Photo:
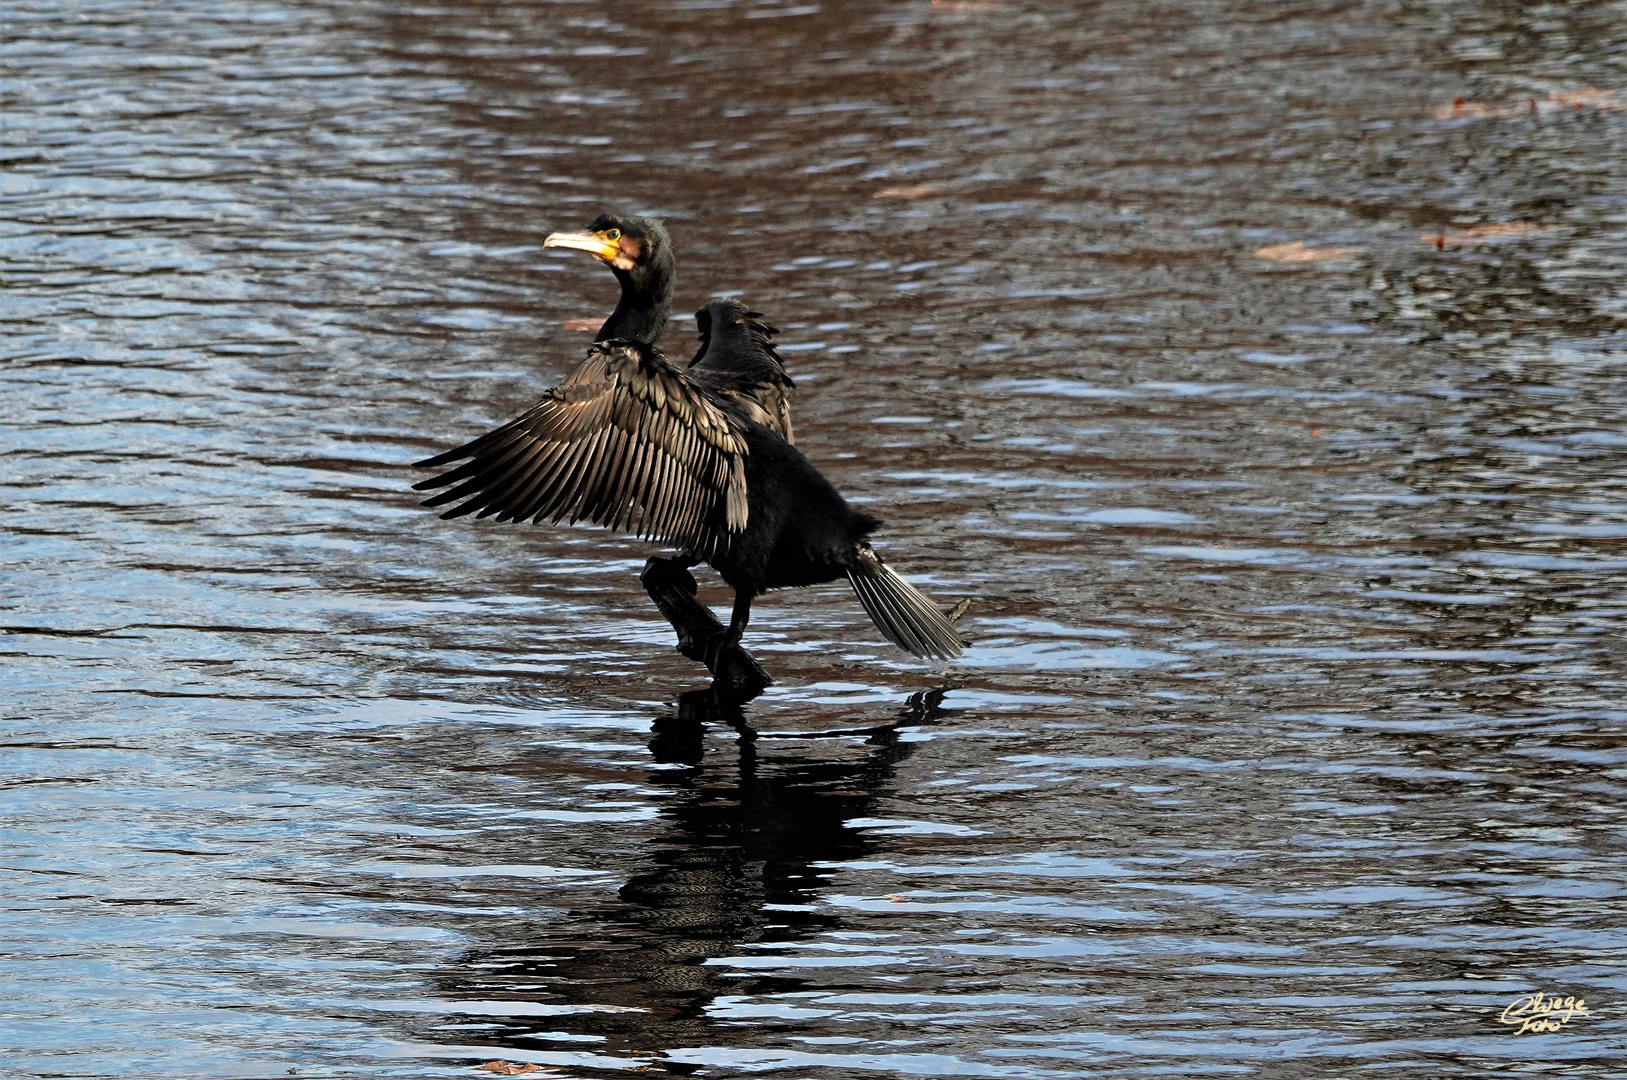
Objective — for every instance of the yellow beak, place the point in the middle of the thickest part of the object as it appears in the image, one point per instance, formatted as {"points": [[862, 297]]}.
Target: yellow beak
{"points": [[592, 243]]}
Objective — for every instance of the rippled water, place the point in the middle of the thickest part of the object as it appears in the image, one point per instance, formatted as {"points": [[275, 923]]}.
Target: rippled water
{"points": [[1256, 369]]}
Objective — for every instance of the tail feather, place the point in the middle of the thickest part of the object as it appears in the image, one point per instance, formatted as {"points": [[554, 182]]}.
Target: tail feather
{"points": [[902, 612], [889, 617]]}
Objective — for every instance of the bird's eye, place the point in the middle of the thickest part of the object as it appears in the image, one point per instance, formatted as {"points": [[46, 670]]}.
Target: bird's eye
{"points": [[612, 234]]}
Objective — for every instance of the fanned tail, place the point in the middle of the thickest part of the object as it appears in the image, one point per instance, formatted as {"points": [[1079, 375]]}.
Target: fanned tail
{"points": [[902, 612]]}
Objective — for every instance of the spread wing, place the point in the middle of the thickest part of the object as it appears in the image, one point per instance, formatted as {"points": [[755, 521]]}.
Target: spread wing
{"points": [[737, 360], [625, 441]]}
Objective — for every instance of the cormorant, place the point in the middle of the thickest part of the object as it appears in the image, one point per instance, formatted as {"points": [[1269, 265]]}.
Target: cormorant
{"points": [[629, 441], [701, 460]]}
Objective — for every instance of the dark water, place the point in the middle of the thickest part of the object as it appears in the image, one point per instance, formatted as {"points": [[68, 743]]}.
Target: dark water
{"points": [[1291, 739]]}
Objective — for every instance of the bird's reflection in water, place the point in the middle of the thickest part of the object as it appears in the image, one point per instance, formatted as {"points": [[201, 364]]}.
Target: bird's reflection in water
{"points": [[741, 863]]}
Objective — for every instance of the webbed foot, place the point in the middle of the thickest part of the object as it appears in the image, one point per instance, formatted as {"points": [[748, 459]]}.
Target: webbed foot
{"points": [[736, 674]]}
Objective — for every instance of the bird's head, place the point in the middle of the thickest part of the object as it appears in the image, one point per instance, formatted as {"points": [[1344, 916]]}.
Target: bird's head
{"points": [[631, 245], [639, 252]]}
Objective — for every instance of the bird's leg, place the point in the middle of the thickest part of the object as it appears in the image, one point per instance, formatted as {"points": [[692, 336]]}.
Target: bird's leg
{"points": [[670, 584], [672, 587], [741, 615], [730, 638], [736, 674]]}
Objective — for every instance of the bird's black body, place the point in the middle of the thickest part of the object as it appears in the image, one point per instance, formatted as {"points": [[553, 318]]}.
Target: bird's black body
{"points": [[799, 530], [699, 458]]}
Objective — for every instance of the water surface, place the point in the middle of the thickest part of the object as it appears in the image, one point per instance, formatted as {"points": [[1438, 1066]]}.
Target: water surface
{"points": [[1256, 369]]}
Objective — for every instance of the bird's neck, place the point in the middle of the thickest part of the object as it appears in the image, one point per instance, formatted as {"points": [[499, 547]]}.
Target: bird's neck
{"points": [[645, 305]]}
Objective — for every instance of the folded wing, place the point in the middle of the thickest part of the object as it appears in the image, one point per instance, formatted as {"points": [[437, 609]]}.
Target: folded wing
{"points": [[625, 441]]}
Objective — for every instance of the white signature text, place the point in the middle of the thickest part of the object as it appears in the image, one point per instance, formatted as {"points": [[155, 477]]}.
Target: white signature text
{"points": [[1538, 1012]]}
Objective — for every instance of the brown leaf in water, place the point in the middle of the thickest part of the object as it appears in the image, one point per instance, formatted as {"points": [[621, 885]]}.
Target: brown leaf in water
{"points": [[1463, 110], [1297, 252], [1574, 100], [1587, 97], [509, 1068], [582, 324], [920, 191], [1476, 235]]}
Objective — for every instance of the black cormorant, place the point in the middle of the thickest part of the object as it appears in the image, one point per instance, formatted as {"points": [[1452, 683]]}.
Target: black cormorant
{"points": [[696, 460]]}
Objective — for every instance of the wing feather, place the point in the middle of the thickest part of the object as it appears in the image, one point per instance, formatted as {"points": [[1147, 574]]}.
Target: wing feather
{"points": [[575, 496], [519, 476], [626, 440], [664, 494], [529, 501], [605, 483], [612, 459], [738, 361], [557, 501], [638, 454]]}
